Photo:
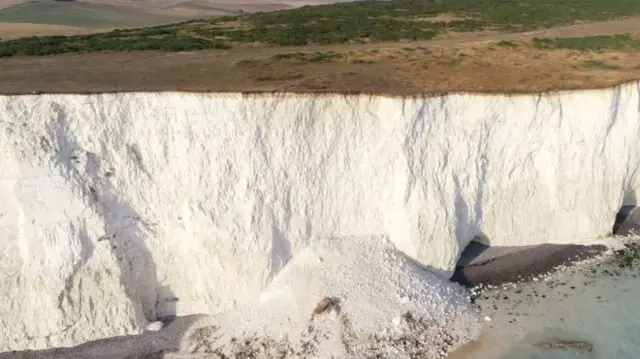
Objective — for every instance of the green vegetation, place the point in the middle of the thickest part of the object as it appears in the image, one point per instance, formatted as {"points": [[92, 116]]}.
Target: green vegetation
{"points": [[338, 23], [507, 43], [406, 19], [93, 43], [592, 43], [597, 64], [417, 19]]}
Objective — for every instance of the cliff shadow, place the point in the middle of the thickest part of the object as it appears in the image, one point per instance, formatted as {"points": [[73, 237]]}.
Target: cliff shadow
{"points": [[510, 264], [471, 252], [148, 345], [627, 220], [469, 227], [125, 231]]}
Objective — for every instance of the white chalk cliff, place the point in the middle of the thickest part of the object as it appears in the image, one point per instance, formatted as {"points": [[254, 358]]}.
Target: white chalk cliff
{"points": [[117, 209]]}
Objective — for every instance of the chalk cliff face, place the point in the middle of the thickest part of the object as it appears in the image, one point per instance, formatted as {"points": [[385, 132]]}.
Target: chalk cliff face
{"points": [[117, 209]]}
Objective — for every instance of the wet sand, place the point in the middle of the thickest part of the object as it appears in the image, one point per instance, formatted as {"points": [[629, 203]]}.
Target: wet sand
{"points": [[149, 345], [499, 265], [484, 265]]}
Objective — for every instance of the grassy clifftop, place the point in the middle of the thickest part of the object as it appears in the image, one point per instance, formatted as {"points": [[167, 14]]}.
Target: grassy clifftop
{"points": [[338, 23]]}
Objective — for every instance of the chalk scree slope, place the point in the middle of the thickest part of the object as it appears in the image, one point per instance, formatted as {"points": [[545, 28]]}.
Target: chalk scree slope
{"points": [[118, 209], [383, 306]]}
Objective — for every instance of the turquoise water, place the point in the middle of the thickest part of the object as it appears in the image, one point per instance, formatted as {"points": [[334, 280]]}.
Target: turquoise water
{"points": [[597, 303]]}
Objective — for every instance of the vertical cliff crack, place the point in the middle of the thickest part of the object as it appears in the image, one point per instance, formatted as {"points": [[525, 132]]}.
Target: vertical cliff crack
{"points": [[482, 175], [414, 132], [136, 157], [613, 116]]}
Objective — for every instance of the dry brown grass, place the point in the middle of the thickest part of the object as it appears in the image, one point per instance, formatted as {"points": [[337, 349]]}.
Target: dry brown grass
{"points": [[472, 67]]}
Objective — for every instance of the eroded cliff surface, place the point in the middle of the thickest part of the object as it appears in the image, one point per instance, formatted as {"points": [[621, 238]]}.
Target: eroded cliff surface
{"points": [[121, 208]]}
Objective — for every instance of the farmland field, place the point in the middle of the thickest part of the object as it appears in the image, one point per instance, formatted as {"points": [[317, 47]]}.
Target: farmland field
{"points": [[78, 14]]}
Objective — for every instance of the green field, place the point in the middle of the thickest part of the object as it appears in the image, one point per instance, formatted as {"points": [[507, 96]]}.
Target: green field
{"points": [[330, 24], [72, 13]]}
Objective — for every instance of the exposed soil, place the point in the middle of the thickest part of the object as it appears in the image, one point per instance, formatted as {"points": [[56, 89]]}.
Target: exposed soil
{"points": [[464, 64]]}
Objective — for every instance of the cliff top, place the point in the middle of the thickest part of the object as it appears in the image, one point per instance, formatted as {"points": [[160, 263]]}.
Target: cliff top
{"points": [[398, 47]]}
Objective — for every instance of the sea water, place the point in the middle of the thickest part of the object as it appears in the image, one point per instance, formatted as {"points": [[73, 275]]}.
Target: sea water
{"points": [[594, 304]]}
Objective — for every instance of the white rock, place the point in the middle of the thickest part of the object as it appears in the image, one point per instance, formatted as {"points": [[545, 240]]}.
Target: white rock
{"points": [[334, 313], [397, 321], [204, 196], [352, 269], [154, 326]]}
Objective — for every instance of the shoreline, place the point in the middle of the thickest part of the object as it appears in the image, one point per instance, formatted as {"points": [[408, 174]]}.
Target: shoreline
{"points": [[493, 267], [496, 266], [147, 345]]}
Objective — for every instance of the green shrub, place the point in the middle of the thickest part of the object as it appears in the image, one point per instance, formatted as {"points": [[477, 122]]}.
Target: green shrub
{"points": [[597, 64], [619, 42], [346, 22], [507, 43]]}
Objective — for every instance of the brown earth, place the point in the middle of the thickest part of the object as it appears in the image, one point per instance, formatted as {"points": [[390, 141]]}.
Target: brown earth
{"points": [[475, 63]]}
